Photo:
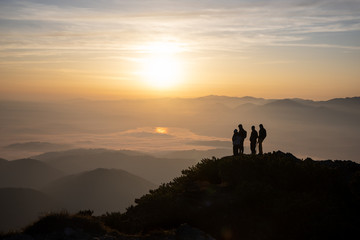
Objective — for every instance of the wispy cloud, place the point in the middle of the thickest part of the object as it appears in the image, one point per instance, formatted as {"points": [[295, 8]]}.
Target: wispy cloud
{"points": [[69, 34], [207, 26]]}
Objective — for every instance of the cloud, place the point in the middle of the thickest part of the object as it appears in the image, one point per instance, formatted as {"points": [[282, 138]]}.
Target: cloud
{"points": [[148, 135], [37, 146], [214, 143], [244, 24], [72, 33], [142, 139], [319, 46]]}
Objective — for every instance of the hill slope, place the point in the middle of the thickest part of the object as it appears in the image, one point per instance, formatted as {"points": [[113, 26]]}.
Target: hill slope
{"points": [[27, 173], [274, 196], [21, 206], [156, 170], [100, 190]]}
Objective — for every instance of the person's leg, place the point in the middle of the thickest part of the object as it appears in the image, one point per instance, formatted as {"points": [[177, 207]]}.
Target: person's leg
{"points": [[253, 147], [260, 147], [234, 150], [242, 147]]}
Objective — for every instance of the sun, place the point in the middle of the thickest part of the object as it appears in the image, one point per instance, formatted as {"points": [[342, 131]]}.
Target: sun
{"points": [[161, 130], [162, 67], [162, 72]]}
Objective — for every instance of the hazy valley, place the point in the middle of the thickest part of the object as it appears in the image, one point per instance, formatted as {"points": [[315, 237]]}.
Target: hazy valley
{"points": [[97, 179], [319, 129], [83, 154]]}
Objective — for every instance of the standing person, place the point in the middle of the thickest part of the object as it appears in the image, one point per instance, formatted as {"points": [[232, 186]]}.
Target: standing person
{"points": [[262, 136], [236, 142], [243, 135], [253, 139]]}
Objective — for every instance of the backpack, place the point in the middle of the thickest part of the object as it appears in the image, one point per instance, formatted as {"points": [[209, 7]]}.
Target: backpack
{"points": [[262, 133], [243, 134], [236, 139]]}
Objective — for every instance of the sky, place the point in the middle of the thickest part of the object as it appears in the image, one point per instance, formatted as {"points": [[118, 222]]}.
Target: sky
{"points": [[109, 49]]}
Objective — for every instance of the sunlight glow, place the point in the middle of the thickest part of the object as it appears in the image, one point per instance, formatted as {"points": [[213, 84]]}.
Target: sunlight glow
{"points": [[161, 130], [162, 66]]}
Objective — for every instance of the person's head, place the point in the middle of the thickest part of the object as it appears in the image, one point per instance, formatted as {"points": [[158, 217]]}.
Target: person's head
{"points": [[240, 126], [261, 126], [235, 131], [253, 128]]}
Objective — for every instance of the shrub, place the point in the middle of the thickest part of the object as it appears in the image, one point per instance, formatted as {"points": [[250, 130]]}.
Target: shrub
{"points": [[57, 222]]}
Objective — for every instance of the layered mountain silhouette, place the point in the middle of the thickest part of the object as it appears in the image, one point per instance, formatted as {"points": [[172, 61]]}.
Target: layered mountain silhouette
{"points": [[27, 173], [101, 190], [305, 112], [156, 170], [273, 196]]}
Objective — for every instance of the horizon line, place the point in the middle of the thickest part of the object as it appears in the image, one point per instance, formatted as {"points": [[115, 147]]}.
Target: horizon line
{"points": [[96, 99]]}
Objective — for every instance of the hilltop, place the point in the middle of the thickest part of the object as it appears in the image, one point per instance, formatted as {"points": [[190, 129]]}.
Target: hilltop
{"points": [[273, 196]]}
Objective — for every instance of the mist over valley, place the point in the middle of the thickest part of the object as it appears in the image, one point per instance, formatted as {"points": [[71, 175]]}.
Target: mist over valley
{"points": [[318, 129], [102, 155]]}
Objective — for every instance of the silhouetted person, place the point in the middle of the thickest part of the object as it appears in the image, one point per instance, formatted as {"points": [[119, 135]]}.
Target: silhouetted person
{"points": [[262, 136], [243, 135], [236, 142], [253, 139]]}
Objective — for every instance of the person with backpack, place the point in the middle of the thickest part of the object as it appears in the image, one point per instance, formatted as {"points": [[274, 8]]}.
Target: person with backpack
{"points": [[243, 135], [236, 142], [253, 138], [262, 136]]}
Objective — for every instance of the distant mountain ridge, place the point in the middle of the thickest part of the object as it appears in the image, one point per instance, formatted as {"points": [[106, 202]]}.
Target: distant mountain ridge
{"points": [[154, 169], [27, 173], [286, 103], [101, 190], [347, 100]]}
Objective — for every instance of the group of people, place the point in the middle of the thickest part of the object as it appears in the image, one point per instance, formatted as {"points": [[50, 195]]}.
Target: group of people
{"points": [[255, 138]]}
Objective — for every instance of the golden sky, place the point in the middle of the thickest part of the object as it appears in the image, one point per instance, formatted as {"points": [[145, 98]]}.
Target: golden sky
{"points": [[160, 48]]}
